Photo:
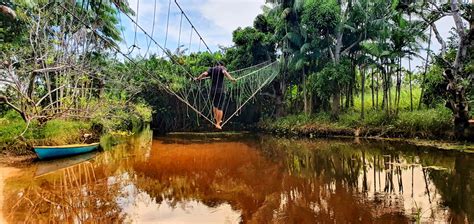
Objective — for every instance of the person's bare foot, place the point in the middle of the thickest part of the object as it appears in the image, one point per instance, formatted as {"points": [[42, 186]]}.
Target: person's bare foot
{"points": [[218, 126]]}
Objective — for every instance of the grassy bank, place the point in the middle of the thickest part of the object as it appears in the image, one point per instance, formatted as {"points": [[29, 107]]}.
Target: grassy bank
{"points": [[16, 139], [427, 124]]}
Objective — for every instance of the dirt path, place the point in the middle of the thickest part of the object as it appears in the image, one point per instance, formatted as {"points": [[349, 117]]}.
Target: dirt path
{"points": [[5, 172]]}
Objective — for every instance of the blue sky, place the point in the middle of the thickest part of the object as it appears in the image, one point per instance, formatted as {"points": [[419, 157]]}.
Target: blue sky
{"points": [[214, 19]]}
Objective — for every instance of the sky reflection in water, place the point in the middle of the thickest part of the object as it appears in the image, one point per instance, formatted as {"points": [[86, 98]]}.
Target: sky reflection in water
{"points": [[260, 179]]}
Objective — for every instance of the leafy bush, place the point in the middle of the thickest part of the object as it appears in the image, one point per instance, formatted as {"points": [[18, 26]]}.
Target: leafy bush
{"points": [[118, 116]]}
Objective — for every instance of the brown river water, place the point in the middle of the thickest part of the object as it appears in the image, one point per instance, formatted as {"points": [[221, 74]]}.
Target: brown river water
{"points": [[243, 179]]}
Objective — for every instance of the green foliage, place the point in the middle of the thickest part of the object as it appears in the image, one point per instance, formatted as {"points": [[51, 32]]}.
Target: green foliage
{"points": [[437, 120], [429, 122], [404, 100], [434, 85], [117, 115], [253, 45], [327, 81], [12, 126], [54, 132], [321, 17]]}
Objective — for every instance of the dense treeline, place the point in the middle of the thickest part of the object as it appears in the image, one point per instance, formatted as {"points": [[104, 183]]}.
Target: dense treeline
{"points": [[338, 58], [336, 53]]}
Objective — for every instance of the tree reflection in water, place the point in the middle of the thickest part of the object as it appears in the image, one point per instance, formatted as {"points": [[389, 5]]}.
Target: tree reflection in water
{"points": [[264, 179]]}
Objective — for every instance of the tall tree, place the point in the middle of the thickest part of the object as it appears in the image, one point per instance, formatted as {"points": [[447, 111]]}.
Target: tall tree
{"points": [[458, 70]]}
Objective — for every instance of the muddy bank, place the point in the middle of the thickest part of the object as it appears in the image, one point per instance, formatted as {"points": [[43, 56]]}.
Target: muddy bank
{"points": [[439, 140]]}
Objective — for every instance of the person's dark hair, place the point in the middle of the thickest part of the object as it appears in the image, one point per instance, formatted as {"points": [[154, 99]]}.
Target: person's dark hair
{"points": [[220, 63]]}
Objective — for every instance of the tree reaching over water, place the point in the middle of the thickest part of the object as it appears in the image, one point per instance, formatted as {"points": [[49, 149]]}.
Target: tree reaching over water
{"points": [[51, 63], [458, 69]]}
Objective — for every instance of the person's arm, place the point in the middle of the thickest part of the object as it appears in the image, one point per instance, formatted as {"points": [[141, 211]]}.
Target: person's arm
{"points": [[227, 75], [203, 75]]}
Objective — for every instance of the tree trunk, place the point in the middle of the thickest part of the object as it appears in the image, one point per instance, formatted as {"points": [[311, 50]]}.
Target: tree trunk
{"points": [[385, 90], [362, 115], [305, 95], [372, 89], [377, 91], [455, 76], [425, 70], [335, 107], [348, 96], [399, 85], [353, 83], [388, 76], [48, 86], [336, 97], [279, 87], [458, 104], [411, 85], [409, 76]]}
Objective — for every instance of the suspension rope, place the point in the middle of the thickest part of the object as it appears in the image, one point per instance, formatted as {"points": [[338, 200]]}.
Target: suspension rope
{"points": [[190, 40], [152, 29], [192, 25], [166, 88], [251, 80], [179, 36], [170, 56], [268, 80], [167, 24]]}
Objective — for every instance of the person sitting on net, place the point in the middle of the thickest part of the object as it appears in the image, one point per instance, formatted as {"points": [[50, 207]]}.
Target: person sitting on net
{"points": [[217, 74]]}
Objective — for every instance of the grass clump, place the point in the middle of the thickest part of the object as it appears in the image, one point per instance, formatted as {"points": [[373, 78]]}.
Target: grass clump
{"points": [[436, 121], [53, 132]]}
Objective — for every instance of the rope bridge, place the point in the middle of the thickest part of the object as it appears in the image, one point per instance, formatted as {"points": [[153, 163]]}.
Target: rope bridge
{"points": [[196, 95]]}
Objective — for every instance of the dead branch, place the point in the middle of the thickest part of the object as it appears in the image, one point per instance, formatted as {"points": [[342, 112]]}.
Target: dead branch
{"points": [[4, 99]]}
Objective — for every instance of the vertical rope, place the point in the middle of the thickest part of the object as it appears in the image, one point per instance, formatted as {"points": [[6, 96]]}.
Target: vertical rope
{"points": [[190, 39], [167, 25], [199, 49], [152, 29], [179, 36], [252, 79], [136, 24]]}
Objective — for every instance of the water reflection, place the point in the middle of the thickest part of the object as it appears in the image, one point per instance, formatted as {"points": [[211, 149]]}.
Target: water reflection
{"points": [[250, 180]]}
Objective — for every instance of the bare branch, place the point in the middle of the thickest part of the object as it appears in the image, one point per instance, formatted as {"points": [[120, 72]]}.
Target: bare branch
{"points": [[439, 38], [4, 99], [49, 93], [457, 19], [53, 69]]}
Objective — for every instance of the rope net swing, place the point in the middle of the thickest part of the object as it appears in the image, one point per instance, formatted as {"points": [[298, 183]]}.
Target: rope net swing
{"points": [[195, 95]]}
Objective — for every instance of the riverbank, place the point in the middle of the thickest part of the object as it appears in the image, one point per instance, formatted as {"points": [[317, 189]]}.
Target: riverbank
{"points": [[428, 128], [17, 138]]}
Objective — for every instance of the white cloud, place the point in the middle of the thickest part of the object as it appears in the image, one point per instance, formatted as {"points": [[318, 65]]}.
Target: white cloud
{"points": [[146, 13], [214, 19], [231, 14]]}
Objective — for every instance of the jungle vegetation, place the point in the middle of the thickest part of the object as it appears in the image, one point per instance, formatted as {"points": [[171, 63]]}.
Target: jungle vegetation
{"points": [[340, 60]]}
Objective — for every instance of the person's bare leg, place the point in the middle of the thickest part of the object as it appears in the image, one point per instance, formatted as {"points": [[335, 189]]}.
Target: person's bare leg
{"points": [[216, 116], [221, 116], [214, 112]]}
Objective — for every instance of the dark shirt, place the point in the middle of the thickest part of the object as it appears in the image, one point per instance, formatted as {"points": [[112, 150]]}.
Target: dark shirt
{"points": [[217, 75]]}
